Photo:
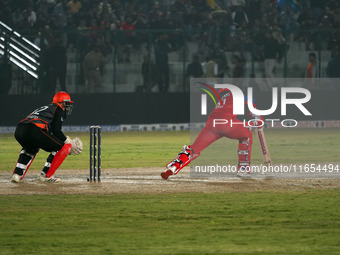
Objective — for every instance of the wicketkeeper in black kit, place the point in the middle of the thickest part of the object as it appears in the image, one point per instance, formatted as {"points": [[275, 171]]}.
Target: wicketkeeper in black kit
{"points": [[42, 130]]}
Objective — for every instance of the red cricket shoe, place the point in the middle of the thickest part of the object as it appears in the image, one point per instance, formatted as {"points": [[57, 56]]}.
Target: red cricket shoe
{"points": [[165, 175]]}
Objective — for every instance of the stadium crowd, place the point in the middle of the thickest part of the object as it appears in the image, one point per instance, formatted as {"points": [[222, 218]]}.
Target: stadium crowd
{"points": [[206, 16], [264, 27]]}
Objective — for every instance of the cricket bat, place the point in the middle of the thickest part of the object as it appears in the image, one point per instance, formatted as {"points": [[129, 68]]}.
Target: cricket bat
{"points": [[264, 147]]}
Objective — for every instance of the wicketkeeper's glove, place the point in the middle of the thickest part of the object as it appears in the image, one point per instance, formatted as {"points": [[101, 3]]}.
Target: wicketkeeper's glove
{"points": [[77, 145]]}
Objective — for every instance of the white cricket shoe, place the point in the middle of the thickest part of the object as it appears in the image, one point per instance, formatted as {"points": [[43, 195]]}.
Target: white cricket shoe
{"points": [[16, 178], [43, 178]]}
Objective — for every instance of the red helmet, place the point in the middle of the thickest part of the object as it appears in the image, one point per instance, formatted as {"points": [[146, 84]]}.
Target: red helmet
{"points": [[63, 97]]}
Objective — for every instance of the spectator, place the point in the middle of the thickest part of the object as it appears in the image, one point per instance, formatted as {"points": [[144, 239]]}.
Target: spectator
{"points": [[56, 65], [71, 33], [104, 7], [172, 21], [93, 31], [92, 63], [214, 32], [271, 54], [103, 45], [324, 33], [194, 69], [333, 66], [328, 14], [254, 10], [140, 25], [203, 48], [43, 8], [312, 68], [59, 11], [211, 67], [127, 40], [44, 43], [316, 6], [306, 21], [149, 73], [312, 71], [161, 50], [238, 72], [278, 36], [30, 16], [239, 16], [221, 60], [83, 47], [158, 23], [154, 13], [289, 21], [17, 18], [43, 17], [74, 6]]}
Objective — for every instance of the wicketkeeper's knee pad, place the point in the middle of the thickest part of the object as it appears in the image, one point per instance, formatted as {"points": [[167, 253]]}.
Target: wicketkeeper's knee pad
{"points": [[58, 159], [244, 151], [182, 159]]}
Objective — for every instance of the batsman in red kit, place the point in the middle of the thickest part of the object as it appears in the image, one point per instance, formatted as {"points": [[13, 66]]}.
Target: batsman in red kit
{"points": [[42, 130], [213, 130]]}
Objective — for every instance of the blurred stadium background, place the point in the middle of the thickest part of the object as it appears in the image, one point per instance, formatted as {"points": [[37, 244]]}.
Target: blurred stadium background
{"points": [[113, 52]]}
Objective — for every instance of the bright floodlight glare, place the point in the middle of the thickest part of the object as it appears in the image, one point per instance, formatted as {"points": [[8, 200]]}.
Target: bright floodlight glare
{"points": [[10, 29], [23, 53], [23, 46], [30, 43], [33, 74], [13, 60], [22, 60]]}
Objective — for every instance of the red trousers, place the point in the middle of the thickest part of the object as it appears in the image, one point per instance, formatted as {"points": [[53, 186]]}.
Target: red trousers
{"points": [[237, 131]]}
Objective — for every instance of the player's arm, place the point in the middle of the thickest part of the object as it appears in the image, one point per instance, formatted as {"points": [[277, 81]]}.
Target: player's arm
{"points": [[57, 123]]}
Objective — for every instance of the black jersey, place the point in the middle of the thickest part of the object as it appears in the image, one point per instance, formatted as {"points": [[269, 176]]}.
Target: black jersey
{"points": [[50, 118]]}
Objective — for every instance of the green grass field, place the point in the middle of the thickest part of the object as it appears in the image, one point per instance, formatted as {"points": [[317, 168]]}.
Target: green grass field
{"points": [[155, 149], [259, 222], [186, 223]]}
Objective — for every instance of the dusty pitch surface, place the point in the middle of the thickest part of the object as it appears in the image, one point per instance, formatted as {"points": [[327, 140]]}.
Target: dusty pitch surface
{"points": [[148, 180]]}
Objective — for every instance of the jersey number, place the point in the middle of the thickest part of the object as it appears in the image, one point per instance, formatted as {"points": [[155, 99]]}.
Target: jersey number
{"points": [[37, 111]]}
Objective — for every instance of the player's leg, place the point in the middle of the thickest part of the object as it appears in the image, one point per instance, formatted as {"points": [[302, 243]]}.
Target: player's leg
{"points": [[24, 162], [58, 152], [23, 135], [245, 138], [244, 155], [182, 159], [189, 153], [54, 160]]}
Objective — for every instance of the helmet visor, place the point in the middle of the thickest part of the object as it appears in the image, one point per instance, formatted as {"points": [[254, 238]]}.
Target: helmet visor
{"points": [[68, 107]]}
